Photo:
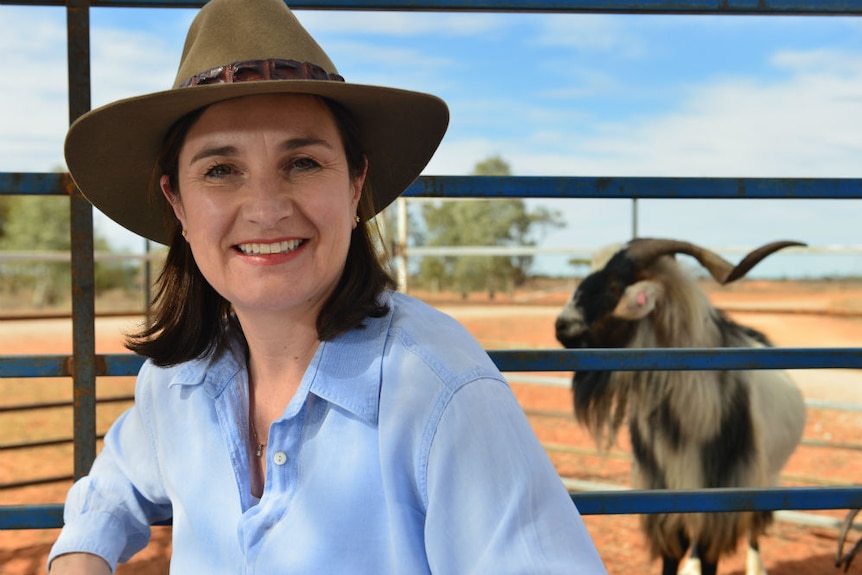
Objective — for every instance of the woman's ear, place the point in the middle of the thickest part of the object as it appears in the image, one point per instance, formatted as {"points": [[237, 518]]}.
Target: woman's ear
{"points": [[358, 182], [173, 199]]}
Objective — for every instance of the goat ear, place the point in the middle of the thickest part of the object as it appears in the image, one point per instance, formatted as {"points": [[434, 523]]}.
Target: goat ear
{"points": [[639, 300]]}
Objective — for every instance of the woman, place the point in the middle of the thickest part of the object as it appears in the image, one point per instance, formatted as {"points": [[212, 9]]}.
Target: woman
{"points": [[295, 414]]}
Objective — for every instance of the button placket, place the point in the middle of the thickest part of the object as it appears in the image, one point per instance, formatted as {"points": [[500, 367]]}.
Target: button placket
{"points": [[284, 439], [279, 487]]}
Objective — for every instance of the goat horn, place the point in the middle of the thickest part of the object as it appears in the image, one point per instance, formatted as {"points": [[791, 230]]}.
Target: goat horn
{"points": [[753, 258], [644, 251]]}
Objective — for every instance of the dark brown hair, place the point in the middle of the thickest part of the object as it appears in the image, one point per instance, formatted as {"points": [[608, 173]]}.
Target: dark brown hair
{"points": [[189, 319]]}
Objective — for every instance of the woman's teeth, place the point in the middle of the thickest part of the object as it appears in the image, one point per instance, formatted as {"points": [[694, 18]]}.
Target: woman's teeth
{"points": [[272, 248]]}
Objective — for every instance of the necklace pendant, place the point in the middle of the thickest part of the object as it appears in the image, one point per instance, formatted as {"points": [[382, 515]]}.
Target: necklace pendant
{"points": [[259, 451]]}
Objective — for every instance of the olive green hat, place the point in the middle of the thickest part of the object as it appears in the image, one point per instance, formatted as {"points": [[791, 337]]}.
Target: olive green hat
{"points": [[240, 48]]}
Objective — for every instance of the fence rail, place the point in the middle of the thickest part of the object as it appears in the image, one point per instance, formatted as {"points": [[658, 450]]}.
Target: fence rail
{"points": [[611, 502], [715, 7], [552, 187], [667, 359]]}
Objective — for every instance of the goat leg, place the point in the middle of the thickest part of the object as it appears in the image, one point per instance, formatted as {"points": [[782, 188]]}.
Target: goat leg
{"points": [[842, 537]]}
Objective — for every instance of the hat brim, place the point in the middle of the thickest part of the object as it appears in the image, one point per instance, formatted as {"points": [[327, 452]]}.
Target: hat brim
{"points": [[111, 151]]}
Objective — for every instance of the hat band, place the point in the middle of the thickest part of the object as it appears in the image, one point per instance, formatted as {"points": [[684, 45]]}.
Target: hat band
{"points": [[259, 70]]}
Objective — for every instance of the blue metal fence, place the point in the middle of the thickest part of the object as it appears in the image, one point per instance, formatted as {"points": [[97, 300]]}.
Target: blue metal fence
{"points": [[84, 365]]}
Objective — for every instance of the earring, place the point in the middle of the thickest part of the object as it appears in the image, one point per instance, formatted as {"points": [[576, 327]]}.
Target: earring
{"points": [[185, 233], [356, 219]]}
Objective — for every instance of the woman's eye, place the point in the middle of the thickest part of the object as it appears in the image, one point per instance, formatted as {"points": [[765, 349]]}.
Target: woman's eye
{"points": [[218, 171], [305, 164]]}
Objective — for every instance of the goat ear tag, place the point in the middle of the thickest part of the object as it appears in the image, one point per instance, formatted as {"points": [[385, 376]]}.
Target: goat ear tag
{"points": [[638, 300]]}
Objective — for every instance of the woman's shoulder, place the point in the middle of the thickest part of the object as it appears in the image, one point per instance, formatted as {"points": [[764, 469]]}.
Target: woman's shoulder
{"points": [[425, 323], [439, 341], [406, 305]]}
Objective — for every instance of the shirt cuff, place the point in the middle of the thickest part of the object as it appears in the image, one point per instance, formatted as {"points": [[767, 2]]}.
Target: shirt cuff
{"points": [[98, 533]]}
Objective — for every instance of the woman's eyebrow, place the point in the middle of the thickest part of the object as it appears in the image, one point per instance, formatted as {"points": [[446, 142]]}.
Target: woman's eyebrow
{"points": [[216, 151], [296, 143], [287, 145]]}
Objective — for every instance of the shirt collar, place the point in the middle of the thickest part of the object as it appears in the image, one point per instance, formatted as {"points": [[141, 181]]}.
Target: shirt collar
{"points": [[213, 372], [345, 371]]}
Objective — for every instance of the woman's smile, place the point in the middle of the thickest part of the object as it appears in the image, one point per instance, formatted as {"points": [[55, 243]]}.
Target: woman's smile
{"points": [[268, 248]]}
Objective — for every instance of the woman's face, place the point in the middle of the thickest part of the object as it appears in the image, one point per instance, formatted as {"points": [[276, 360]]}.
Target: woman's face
{"points": [[267, 202]]}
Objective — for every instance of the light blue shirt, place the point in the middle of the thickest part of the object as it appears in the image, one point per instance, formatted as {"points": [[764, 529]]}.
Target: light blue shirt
{"points": [[404, 451]]}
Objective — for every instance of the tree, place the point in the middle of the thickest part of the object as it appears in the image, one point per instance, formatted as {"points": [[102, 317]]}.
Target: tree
{"points": [[32, 224], [42, 223], [4, 214], [482, 222]]}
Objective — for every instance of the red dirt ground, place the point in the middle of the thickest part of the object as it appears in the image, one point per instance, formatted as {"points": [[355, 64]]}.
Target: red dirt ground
{"points": [[521, 322]]}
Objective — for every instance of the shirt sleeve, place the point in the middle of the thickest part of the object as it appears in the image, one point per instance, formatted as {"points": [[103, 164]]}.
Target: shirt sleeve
{"points": [[495, 502], [109, 512]]}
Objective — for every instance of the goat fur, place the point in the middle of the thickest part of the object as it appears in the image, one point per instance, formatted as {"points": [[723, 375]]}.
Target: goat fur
{"points": [[689, 429]]}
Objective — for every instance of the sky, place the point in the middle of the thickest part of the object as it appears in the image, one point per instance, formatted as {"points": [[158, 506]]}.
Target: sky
{"points": [[551, 94]]}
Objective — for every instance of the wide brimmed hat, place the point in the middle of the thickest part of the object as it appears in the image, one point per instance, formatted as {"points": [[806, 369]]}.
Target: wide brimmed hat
{"points": [[240, 48]]}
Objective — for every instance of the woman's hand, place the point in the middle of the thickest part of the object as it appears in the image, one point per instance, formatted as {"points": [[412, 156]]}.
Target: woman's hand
{"points": [[79, 564]]}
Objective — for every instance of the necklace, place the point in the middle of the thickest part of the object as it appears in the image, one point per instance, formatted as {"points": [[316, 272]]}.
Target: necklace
{"points": [[259, 451]]}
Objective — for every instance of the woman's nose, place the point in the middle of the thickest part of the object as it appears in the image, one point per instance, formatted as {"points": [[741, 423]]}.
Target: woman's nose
{"points": [[268, 201]]}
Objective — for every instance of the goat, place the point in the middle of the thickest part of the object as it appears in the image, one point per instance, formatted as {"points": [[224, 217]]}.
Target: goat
{"points": [[688, 429]]}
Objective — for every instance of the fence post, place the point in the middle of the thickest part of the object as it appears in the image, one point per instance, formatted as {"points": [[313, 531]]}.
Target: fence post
{"points": [[401, 244], [83, 282]]}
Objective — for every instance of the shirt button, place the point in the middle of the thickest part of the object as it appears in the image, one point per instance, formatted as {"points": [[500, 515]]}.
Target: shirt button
{"points": [[279, 458]]}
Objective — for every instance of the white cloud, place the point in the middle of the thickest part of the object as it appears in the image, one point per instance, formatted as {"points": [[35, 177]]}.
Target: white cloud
{"points": [[582, 82], [819, 61], [401, 66], [33, 94], [34, 98], [805, 125], [460, 157], [128, 63], [591, 33]]}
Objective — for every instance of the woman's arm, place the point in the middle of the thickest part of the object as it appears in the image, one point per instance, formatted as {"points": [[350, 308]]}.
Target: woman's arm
{"points": [[495, 502], [79, 564], [109, 511]]}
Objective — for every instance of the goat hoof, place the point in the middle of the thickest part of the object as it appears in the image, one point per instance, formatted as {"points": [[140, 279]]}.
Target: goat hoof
{"points": [[753, 563], [690, 567]]}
